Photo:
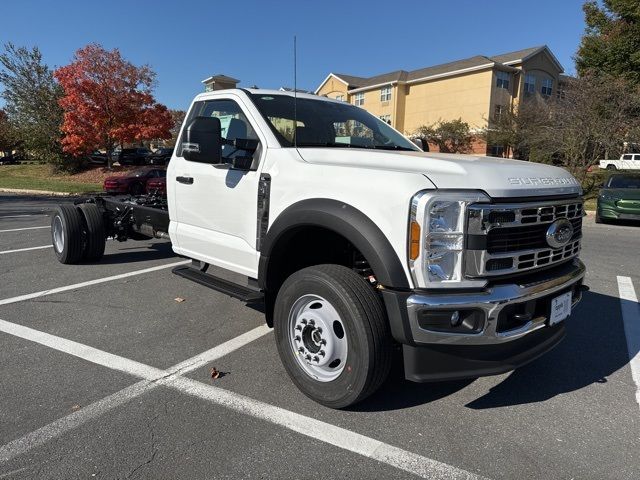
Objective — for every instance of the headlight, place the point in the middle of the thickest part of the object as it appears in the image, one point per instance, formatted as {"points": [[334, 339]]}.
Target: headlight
{"points": [[436, 243]]}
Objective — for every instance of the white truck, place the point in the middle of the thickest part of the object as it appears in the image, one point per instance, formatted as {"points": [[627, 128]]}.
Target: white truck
{"points": [[355, 242], [627, 161]]}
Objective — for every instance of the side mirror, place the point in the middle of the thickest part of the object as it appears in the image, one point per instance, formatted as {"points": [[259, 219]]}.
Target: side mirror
{"points": [[418, 142], [203, 140]]}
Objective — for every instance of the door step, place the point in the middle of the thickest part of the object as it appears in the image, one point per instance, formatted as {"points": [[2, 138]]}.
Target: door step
{"points": [[244, 293]]}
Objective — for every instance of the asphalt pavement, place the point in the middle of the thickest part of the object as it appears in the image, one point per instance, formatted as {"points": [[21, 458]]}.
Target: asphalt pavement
{"points": [[106, 373]]}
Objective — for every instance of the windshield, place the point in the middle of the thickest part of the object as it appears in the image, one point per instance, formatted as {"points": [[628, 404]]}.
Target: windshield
{"points": [[621, 181], [323, 123]]}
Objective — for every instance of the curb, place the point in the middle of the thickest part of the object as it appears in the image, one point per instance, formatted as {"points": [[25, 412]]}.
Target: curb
{"points": [[24, 191]]}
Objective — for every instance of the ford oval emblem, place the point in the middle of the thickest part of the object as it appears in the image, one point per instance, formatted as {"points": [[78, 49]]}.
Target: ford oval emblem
{"points": [[559, 233]]}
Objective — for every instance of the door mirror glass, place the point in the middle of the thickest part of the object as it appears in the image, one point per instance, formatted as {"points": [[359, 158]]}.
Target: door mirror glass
{"points": [[202, 141], [418, 142]]}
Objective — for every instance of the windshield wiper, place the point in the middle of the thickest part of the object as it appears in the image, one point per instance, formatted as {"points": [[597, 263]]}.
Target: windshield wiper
{"points": [[393, 147], [324, 144]]}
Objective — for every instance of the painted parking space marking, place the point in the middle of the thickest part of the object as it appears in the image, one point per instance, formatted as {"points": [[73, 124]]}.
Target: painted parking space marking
{"points": [[156, 378], [51, 291], [24, 228], [316, 429], [25, 249], [631, 321]]}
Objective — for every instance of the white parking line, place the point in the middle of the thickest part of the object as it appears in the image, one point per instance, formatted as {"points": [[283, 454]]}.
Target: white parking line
{"points": [[96, 409], [631, 320], [310, 427], [25, 228], [97, 281], [25, 249]]}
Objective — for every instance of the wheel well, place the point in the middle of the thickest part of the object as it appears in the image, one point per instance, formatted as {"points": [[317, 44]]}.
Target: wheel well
{"points": [[307, 246]]}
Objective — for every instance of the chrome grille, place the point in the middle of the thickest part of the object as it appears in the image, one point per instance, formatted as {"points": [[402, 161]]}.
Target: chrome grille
{"points": [[504, 239]]}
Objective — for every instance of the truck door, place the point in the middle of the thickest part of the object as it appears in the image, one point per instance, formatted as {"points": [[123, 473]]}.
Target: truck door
{"points": [[215, 206]]}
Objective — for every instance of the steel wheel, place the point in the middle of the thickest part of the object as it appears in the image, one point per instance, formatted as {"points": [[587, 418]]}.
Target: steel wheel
{"points": [[58, 234], [318, 337]]}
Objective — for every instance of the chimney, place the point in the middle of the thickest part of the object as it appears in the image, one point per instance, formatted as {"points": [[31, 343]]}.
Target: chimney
{"points": [[219, 82]]}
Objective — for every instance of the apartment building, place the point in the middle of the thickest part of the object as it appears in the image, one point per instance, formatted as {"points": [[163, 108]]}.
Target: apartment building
{"points": [[476, 89]]}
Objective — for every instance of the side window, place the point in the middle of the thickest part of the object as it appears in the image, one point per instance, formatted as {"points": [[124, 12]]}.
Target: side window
{"points": [[627, 157], [233, 123]]}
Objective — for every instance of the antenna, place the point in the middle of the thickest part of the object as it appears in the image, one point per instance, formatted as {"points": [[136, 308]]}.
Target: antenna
{"points": [[295, 95]]}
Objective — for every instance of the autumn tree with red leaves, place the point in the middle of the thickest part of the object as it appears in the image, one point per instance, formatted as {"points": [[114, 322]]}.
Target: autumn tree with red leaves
{"points": [[108, 101]]}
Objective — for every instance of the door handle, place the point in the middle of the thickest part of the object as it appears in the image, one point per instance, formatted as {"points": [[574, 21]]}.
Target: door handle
{"points": [[185, 180]]}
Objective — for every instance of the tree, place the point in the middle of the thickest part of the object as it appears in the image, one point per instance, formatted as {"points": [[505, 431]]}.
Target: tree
{"points": [[108, 101], [452, 136], [177, 117], [8, 135], [31, 95], [611, 43]]}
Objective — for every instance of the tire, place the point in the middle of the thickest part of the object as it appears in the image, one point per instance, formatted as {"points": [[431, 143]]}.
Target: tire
{"points": [[325, 293], [611, 166], [95, 234], [598, 218], [66, 234], [137, 189]]}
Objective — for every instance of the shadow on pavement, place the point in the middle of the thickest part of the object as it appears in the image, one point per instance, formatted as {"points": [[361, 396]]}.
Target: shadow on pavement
{"points": [[594, 348], [143, 253]]}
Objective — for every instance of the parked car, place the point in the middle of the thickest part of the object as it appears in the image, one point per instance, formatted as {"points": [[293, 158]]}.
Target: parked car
{"points": [[619, 198], [98, 158], [157, 185], [10, 160], [160, 156], [628, 161], [133, 183], [134, 156]]}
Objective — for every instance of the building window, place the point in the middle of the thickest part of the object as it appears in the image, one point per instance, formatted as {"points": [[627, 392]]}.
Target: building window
{"points": [[497, 112], [496, 150], [547, 87], [385, 94], [502, 79], [386, 119], [340, 98], [529, 84], [359, 99]]}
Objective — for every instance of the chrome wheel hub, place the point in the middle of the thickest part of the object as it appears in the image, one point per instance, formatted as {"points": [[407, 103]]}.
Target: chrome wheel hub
{"points": [[318, 338], [58, 234]]}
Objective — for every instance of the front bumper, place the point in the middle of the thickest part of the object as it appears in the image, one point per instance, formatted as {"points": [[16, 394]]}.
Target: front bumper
{"points": [[514, 328]]}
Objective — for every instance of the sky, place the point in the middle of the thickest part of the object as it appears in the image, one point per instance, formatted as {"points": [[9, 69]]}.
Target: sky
{"points": [[187, 41]]}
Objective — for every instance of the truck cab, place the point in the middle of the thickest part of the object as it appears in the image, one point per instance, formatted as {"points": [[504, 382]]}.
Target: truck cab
{"points": [[359, 245]]}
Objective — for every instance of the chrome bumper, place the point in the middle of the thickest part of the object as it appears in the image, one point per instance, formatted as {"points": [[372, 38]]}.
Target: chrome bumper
{"points": [[490, 301]]}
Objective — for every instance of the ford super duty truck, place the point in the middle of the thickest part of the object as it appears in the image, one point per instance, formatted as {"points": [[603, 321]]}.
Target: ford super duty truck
{"points": [[355, 242]]}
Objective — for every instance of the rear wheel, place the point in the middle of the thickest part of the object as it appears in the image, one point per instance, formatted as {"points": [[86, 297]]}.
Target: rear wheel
{"points": [[66, 234], [332, 335], [611, 166], [95, 234]]}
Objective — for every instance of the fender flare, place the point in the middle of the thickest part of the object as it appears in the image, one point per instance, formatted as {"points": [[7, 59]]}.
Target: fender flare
{"points": [[344, 220]]}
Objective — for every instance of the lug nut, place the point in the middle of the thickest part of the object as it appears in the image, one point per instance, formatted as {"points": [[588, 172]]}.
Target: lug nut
{"points": [[319, 330], [298, 327], [301, 350], [303, 321], [323, 342], [297, 338], [307, 357], [321, 352], [316, 359], [312, 322]]}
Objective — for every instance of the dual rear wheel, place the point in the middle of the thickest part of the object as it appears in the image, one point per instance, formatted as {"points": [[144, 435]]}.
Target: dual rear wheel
{"points": [[77, 233]]}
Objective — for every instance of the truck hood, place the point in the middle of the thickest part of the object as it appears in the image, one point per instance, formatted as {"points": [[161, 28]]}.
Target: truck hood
{"points": [[498, 177]]}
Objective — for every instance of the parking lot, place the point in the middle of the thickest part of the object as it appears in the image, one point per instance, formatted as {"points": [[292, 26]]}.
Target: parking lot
{"points": [[106, 374]]}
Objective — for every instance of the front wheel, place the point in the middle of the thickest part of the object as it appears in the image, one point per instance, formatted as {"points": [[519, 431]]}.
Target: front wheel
{"points": [[332, 335]]}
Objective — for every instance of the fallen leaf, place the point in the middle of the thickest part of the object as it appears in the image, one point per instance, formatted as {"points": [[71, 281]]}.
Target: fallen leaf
{"points": [[179, 299], [215, 373], [75, 408]]}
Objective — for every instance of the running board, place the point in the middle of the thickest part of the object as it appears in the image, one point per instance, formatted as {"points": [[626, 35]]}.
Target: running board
{"points": [[244, 293]]}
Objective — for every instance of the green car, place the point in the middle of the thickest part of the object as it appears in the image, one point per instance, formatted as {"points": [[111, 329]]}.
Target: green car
{"points": [[619, 198]]}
